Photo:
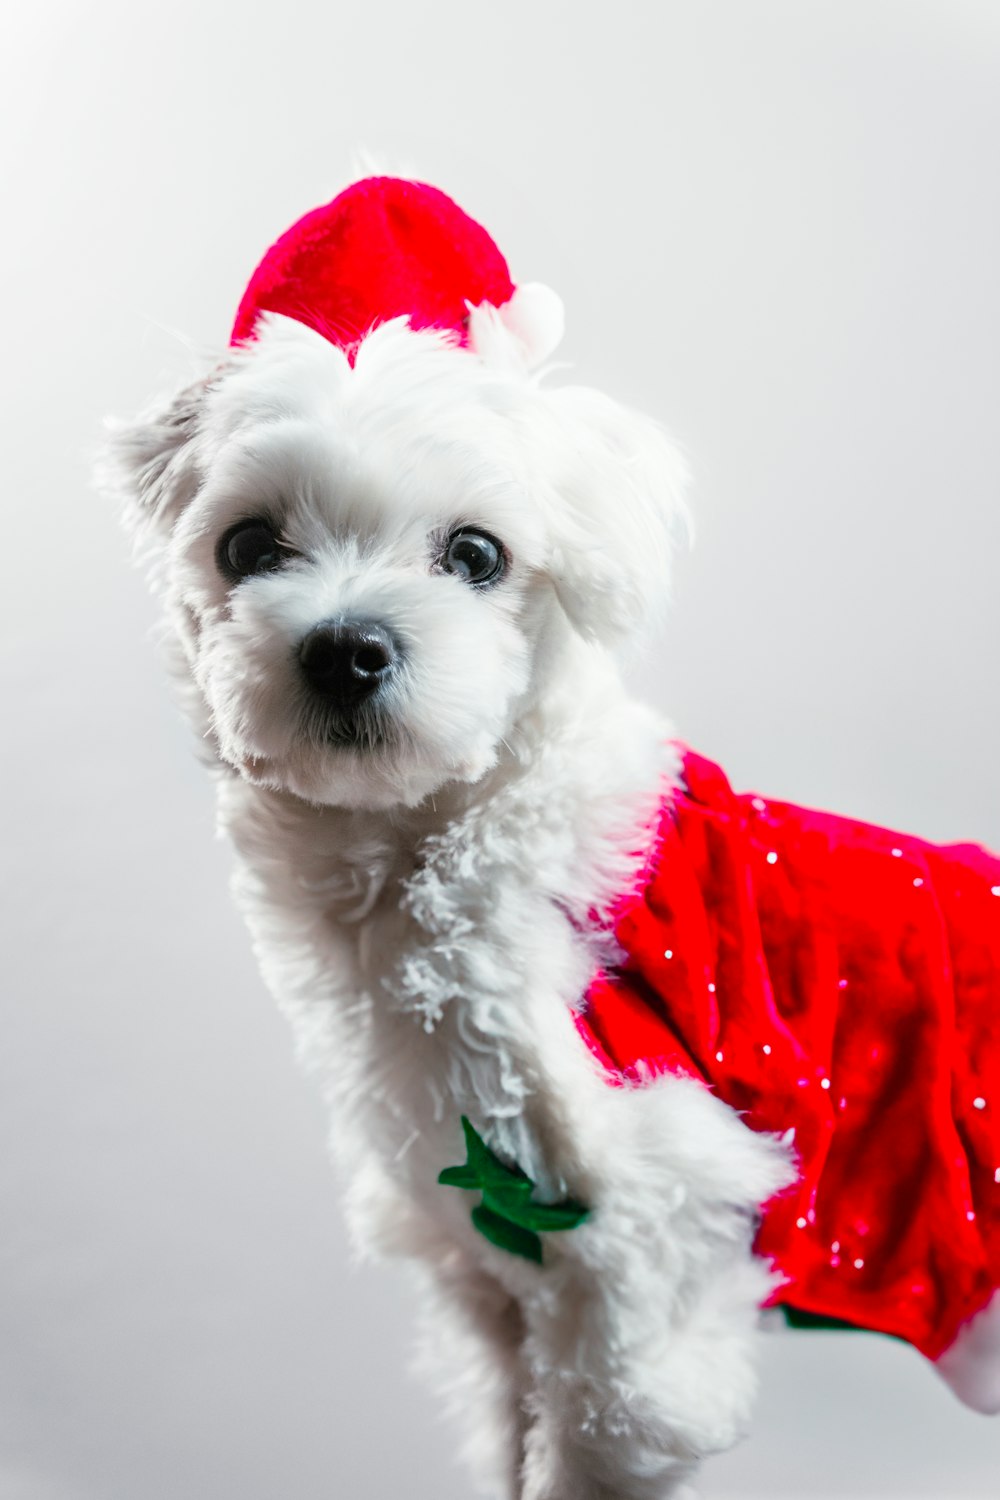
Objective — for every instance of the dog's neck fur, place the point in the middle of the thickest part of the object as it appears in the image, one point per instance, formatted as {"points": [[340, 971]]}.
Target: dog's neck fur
{"points": [[514, 867], [583, 756]]}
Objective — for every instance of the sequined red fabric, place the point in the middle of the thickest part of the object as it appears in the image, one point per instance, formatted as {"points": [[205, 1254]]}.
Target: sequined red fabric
{"points": [[833, 978]]}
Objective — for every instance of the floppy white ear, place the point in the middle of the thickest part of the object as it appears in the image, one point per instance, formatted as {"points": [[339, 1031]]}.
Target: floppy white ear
{"points": [[149, 462], [616, 514]]}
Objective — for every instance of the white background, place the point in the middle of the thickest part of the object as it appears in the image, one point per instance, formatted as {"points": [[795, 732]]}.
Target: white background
{"points": [[775, 225]]}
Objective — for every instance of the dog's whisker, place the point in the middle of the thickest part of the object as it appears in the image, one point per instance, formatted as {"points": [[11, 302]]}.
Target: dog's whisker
{"points": [[411, 1140]]}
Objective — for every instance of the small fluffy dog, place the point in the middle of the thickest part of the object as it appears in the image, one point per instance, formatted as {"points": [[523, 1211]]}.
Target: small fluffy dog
{"points": [[397, 567]]}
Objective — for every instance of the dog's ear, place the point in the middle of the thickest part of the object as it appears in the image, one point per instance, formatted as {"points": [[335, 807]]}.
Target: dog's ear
{"points": [[617, 514], [150, 462]]}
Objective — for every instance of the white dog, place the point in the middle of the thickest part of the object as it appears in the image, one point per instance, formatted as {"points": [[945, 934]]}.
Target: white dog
{"points": [[397, 570]]}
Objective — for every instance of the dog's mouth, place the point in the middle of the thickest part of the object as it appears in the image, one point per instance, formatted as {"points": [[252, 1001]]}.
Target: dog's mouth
{"points": [[362, 728], [356, 734]]}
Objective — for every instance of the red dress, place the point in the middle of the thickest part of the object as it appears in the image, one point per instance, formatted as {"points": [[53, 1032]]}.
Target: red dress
{"points": [[833, 978]]}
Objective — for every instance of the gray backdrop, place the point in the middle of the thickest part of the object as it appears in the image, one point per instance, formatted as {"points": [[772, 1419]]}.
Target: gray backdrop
{"points": [[775, 225]]}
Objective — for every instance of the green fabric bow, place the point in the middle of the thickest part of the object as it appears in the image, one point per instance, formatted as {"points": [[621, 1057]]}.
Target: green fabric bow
{"points": [[507, 1217]]}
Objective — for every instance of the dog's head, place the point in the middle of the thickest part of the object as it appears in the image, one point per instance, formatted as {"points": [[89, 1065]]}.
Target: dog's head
{"points": [[374, 564]]}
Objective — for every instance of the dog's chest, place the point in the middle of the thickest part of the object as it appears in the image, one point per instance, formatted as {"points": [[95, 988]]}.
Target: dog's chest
{"points": [[461, 978]]}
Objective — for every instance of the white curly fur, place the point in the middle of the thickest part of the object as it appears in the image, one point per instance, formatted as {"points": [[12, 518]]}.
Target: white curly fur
{"points": [[423, 907]]}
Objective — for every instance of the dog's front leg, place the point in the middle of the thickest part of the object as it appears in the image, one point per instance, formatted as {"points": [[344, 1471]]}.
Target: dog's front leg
{"points": [[587, 1442], [622, 1413], [472, 1338], [641, 1333]]}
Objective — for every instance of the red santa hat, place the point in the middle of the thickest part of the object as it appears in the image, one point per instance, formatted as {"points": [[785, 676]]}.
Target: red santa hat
{"points": [[385, 248]]}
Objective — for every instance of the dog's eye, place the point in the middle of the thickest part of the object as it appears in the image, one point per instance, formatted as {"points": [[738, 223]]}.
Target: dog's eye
{"points": [[249, 548], [474, 557]]}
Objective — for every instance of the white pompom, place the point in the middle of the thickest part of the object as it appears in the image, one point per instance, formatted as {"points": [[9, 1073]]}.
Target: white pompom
{"points": [[536, 317], [523, 332]]}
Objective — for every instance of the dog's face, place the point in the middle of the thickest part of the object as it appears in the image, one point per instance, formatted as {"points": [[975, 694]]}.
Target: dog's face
{"points": [[372, 567]]}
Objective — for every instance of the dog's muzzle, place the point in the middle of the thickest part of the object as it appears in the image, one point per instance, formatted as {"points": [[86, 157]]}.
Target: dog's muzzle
{"points": [[347, 661]]}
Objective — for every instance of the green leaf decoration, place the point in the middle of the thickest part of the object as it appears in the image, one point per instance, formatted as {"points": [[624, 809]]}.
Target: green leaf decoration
{"points": [[798, 1317], [507, 1217], [505, 1235]]}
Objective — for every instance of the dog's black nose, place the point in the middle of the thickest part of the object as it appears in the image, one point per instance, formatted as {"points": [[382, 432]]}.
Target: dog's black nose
{"points": [[347, 661]]}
